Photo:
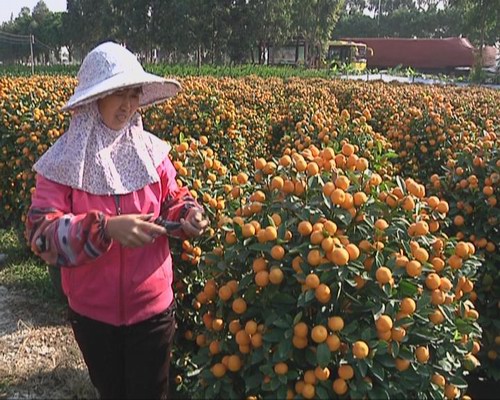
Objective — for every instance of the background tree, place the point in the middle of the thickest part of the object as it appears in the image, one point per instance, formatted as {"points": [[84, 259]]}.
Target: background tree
{"points": [[315, 21], [480, 20]]}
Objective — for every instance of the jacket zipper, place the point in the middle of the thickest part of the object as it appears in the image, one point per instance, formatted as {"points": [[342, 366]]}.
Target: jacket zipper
{"points": [[121, 305]]}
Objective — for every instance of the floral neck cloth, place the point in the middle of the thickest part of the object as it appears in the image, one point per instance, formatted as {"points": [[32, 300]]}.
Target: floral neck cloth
{"points": [[98, 160]]}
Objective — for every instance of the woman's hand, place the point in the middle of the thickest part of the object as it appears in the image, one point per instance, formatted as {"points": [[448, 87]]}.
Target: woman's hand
{"points": [[195, 223], [133, 230]]}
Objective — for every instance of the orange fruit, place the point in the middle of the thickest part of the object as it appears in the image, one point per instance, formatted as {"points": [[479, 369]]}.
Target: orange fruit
{"points": [[328, 188], [342, 182], [242, 338], [218, 370], [277, 183], [277, 252], [312, 169], [214, 347], [225, 293], [256, 340], [462, 249], [305, 228], [260, 163], [384, 335], [300, 329], [402, 364], [455, 262], [414, 268], [322, 373], [271, 233], [314, 257], [233, 285], [217, 324], [347, 149], [338, 196], [438, 264], [432, 281], [262, 278], [381, 224], [333, 342], [359, 198], [340, 386], [259, 264], [339, 256], [336, 323], [276, 276], [436, 317], [299, 342], [398, 334], [353, 251], [239, 305], [319, 334], [408, 306], [251, 327], [310, 377], [421, 255], [234, 326], [346, 372], [327, 244], [384, 323], [308, 392], [330, 227], [323, 293], [248, 230], [438, 379], [360, 349], [451, 391], [421, 228], [316, 237], [422, 354], [281, 368], [383, 275], [234, 363], [312, 281]]}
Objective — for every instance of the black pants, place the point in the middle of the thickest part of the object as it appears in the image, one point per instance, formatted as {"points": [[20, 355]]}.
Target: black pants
{"points": [[127, 362]]}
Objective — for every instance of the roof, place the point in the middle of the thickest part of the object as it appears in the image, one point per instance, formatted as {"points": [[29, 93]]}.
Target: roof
{"points": [[419, 53]]}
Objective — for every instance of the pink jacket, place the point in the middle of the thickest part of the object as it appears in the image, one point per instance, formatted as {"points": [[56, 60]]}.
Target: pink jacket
{"points": [[102, 279]]}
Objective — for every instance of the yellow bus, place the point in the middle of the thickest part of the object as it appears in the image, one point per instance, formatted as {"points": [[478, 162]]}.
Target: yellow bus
{"points": [[341, 53]]}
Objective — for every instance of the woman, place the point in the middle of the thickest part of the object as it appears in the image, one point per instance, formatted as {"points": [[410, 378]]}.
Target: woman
{"points": [[99, 190]]}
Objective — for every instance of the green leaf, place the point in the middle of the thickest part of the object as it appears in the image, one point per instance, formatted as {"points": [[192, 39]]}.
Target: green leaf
{"points": [[257, 356], [377, 371], [253, 381], [297, 318], [362, 367], [407, 288], [274, 335], [260, 247], [284, 349], [323, 355], [378, 393], [284, 298], [458, 382]]}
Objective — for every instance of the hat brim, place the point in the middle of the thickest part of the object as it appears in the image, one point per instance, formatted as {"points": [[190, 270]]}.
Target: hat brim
{"points": [[155, 89]]}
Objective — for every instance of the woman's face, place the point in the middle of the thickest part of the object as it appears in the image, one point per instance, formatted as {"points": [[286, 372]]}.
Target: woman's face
{"points": [[117, 108]]}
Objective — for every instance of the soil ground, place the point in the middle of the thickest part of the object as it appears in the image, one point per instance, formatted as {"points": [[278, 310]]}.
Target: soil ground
{"points": [[39, 357]]}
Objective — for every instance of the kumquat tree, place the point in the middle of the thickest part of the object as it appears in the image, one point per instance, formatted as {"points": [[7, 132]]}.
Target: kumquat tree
{"points": [[353, 245]]}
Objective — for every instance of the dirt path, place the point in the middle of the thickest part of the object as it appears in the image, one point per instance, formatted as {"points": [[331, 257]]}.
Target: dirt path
{"points": [[38, 355]]}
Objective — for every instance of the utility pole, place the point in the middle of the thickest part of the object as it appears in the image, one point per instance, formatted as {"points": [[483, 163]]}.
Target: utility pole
{"points": [[32, 40], [379, 5]]}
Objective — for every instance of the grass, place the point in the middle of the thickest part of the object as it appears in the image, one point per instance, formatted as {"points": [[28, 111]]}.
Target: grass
{"points": [[23, 270]]}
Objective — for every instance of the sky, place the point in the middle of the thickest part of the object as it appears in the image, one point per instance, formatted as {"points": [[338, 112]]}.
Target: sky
{"points": [[7, 7]]}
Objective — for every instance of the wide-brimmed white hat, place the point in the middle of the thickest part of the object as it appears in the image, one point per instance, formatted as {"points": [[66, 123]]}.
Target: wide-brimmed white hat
{"points": [[111, 67]]}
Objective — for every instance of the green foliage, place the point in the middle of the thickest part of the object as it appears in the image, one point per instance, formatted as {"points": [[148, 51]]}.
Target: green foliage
{"points": [[21, 269]]}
